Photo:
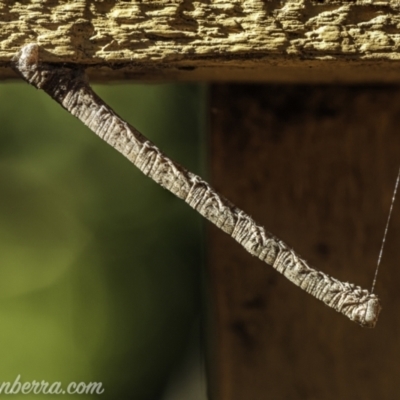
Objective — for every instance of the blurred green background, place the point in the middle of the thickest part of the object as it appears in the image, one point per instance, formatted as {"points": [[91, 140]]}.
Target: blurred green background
{"points": [[100, 268]]}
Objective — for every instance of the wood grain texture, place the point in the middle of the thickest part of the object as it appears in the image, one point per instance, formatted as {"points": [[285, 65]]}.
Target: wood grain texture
{"points": [[317, 166], [270, 40]]}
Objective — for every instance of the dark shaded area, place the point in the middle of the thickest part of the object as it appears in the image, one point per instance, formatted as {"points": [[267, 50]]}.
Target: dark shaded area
{"points": [[316, 165]]}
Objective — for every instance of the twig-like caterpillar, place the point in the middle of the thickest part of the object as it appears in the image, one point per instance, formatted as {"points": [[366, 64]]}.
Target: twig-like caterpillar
{"points": [[69, 87]]}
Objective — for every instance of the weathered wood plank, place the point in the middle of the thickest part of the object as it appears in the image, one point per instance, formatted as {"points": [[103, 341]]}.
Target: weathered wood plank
{"points": [[292, 40]]}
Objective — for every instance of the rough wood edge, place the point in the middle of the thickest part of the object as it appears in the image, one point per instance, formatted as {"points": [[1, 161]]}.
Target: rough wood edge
{"points": [[239, 40]]}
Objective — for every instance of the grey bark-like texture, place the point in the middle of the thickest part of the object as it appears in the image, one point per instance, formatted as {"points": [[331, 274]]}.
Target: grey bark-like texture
{"points": [[69, 88], [263, 40]]}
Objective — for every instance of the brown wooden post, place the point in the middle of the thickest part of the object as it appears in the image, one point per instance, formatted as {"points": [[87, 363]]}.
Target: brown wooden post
{"points": [[317, 166]]}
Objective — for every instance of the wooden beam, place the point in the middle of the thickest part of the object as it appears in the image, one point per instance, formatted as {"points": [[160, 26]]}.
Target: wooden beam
{"points": [[263, 40]]}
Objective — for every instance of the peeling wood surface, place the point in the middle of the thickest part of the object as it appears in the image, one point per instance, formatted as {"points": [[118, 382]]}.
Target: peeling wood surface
{"points": [[270, 40]]}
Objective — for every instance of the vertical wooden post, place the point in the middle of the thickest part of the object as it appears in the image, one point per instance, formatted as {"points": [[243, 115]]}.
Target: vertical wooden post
{"points": [[317, 166]]}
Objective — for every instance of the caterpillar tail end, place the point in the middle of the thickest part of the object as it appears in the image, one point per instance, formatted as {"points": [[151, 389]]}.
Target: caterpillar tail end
{"points": [[25, 62]]}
